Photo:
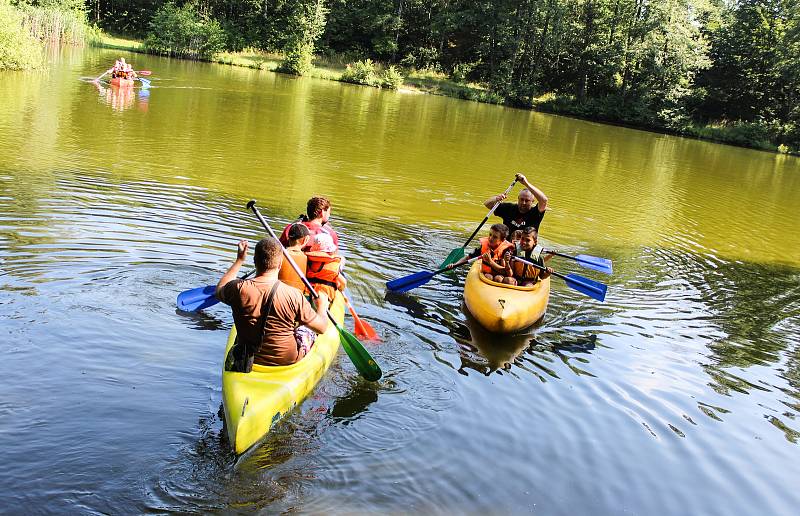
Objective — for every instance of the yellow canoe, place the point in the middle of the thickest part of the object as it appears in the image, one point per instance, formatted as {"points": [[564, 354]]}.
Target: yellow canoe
{"points": [[254, 402], [504, 308]]}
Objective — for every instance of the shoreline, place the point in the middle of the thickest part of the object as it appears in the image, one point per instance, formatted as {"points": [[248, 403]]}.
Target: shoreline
{"points": [[435, 83]]}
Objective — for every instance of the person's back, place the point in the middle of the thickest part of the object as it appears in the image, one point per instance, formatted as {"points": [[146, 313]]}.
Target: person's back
{"points": [[298, 237], [247, 299], [269, 339]]}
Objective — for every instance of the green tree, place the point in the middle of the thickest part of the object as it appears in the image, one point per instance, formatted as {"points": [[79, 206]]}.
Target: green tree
{"points": [[308, 23], [184, 32]]}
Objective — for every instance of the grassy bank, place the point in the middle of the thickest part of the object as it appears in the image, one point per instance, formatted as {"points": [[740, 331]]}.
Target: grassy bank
{"points": [[749, 135]]}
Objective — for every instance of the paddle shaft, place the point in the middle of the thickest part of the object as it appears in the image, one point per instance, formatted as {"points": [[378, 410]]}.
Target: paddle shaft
{"points": [[556, 253], [537, 266], [445, 269], [489, 214], [252, 206], [418, 279], [591, 288]]}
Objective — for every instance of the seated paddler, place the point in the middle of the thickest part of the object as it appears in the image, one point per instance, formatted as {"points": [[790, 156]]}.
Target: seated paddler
{"points": [[495, 252], [525, 275], [266, 311]]}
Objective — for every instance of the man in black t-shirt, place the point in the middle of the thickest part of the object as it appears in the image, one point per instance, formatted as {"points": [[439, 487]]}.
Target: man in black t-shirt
{"points": [[524, 213]]}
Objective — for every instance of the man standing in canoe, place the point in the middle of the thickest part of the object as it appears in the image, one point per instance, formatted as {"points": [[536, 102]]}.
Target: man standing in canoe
{"points": [[318, 213], [265, 310], [524, 213]]}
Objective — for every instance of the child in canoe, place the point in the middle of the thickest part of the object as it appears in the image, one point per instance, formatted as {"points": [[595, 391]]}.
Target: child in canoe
{"points": [[496, 254], [298, 237], [122, 70], [324, 266], [524, 274]]}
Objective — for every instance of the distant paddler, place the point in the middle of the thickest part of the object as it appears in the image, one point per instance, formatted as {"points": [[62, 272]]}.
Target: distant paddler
{"points": [[124, 71], [121, 70]]}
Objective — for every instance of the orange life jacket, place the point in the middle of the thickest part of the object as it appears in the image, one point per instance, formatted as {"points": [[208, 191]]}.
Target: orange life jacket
{"points": [[323, 268], [287, 273], [523, 271], [497, 254]]}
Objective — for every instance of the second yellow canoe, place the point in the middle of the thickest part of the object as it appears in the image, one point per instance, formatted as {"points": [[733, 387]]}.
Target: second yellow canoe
{"points": [[504, 308]]}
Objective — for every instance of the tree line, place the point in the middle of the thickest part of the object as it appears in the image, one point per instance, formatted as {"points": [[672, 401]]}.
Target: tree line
{"points": [[725, 69]]}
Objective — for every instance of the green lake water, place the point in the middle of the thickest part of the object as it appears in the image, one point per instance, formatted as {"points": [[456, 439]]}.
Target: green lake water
{"points": [[678, 395]]}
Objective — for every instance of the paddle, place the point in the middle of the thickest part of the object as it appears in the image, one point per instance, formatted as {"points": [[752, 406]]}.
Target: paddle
{"points": [[458, 253], [201, 297], [363, 328], [101, 76], [418, 279], [144, 72], [586, 286], [584, 260], [364, 363], [145, 82]]}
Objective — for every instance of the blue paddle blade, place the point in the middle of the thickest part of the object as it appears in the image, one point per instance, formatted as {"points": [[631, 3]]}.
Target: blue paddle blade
{"points": [[145, 82], [593, 262], [409, 282], [197, 298], [593, 289]]}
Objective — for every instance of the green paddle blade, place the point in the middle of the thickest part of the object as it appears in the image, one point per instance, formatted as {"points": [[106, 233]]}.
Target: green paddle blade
{"points": [[453, 257], [364, 363]]}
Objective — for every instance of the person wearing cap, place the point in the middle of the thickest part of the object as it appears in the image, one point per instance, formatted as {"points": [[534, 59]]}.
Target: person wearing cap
{"points": [[299, 237], [522, 214]]}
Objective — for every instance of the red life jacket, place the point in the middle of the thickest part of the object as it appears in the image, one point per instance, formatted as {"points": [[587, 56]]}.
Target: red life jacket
{"points": [[497, 254], [313, 229], [322, 268]]}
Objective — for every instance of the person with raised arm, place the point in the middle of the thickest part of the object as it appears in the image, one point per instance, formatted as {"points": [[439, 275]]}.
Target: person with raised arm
{"points": [[522, 214]]}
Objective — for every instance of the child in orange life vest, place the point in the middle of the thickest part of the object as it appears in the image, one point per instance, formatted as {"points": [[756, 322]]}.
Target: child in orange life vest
{"points": [[496, 253], [324, 266], [298, 237], [524, 274]]}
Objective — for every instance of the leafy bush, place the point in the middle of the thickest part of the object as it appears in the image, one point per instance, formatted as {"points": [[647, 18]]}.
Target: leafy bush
{"points": [[184, 32], [365, 72], [391, 79], [18, 49], [298, 61], [461, 71], [748, 134], [360, 72], [308, 23]]}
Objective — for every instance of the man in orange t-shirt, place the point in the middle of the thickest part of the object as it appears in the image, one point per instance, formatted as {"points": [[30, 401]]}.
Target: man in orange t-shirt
{"points": [[276, 345]]}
